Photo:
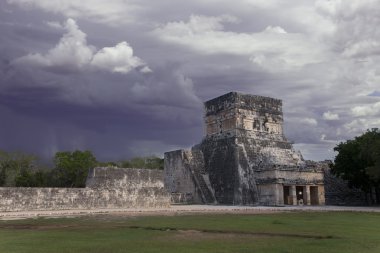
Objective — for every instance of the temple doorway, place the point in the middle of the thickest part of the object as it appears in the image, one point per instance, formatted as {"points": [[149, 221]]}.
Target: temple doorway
{"points": [[300, 193], [314, 199]]}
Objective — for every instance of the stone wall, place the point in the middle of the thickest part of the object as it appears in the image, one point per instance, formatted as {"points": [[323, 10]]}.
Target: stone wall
{"points": [[271, 194], [105, 188]]}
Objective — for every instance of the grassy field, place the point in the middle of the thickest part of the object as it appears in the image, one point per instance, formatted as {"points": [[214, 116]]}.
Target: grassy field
{"points": [[285, 232]]}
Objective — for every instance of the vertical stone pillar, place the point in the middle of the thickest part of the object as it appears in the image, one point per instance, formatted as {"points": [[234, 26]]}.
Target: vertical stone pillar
{"points": [[321, 195], [306, 195], [293, 193], [280, 195]]}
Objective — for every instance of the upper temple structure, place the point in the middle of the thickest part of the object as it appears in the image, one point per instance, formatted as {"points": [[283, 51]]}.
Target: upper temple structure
{"points": [[244, 159]]}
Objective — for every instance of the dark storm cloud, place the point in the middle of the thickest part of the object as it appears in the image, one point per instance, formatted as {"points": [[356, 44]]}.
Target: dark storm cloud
{"points": [[47, 110], [125, 78]]}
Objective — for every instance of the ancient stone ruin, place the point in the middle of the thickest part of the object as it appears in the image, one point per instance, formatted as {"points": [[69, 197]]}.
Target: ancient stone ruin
{"points": [[244, 159], [106, 187]]}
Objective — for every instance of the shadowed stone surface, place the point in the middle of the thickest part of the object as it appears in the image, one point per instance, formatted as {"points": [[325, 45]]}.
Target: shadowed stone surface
{"points": [[338, 192]]}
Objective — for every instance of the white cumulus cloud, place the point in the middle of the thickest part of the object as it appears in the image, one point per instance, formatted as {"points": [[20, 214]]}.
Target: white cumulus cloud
{"points": [[309, 121], [110, 12], [366, 110], [358, 126], [273, 45], [330, 116], [73, 53], [119, 58], [274, 29]]}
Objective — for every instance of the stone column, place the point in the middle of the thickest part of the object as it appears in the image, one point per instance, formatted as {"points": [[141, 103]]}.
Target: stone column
{"points": [[321, 194], [306, 195], [280, 195], [293, 193]]}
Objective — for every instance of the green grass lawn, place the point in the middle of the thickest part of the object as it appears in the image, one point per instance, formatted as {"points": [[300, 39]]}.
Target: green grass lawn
{"points": [[284, 232]]}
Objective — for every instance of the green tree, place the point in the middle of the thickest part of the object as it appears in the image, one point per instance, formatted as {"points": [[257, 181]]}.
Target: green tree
{"points": [[25, 179], [358, 162], [107, 164], [43, 178], [149, 162], [2, 177], [13, 164], [71, 168], [153, 162], [37, 178]]}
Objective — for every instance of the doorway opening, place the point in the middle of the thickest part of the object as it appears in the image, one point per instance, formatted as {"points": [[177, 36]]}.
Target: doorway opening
{"points": [[288, 200], [299, 192], [314, 199]]}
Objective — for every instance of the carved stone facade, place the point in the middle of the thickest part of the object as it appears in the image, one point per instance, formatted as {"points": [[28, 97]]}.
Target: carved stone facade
{"points": [[244, 159]]}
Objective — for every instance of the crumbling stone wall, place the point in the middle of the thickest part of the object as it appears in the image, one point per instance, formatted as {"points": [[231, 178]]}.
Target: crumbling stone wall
{"points": [[105, 188]]}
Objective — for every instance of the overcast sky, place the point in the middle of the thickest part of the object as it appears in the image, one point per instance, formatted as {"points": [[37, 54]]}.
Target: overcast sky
{"points": [[128, 77]]}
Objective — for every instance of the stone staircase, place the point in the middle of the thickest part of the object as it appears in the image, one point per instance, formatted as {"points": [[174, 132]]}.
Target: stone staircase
{"points": [[200, 177], [203, 183], [337, 192]]}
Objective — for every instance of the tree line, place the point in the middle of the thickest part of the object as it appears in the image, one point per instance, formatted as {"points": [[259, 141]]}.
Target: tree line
{"points": [[358, 162], [70, 168]]}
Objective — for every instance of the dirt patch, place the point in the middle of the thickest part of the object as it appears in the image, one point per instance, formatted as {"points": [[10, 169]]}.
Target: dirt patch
{"points": [[192, 234], [179, 233], [196, 235], [34, 227], [228, 233]]}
